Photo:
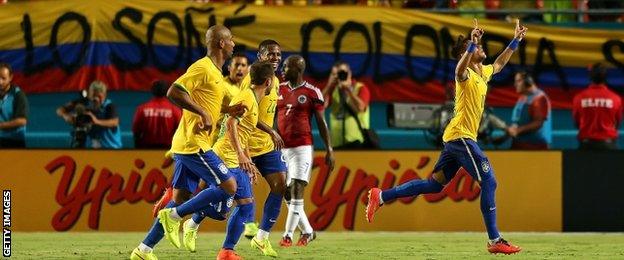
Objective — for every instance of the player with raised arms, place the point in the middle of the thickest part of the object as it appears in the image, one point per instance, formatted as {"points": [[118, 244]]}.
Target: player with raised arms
{"points": [[460, 137]]}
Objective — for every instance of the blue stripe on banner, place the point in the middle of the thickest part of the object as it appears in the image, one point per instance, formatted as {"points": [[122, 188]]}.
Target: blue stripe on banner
{"points": [[99, 54]]}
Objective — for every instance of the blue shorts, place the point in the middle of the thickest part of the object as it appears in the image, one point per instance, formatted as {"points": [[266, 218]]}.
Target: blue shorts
{"points": [[463, 153], [190, 168], [243, 184], [271, 162]]}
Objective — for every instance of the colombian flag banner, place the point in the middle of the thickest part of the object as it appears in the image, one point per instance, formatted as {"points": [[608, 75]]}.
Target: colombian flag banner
{"points": [[402, 55]]}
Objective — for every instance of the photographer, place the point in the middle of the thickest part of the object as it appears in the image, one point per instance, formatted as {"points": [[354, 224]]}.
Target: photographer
{"points": [[347, 98], [94, 119], [13, 111]]}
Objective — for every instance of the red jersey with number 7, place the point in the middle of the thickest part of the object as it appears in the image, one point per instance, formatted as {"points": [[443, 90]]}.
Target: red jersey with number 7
{"points": [[295, 107]]}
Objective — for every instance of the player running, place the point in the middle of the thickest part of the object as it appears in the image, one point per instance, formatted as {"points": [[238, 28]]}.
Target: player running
{"points": [[460, 137], [199, 92], [298, 101], [231, 147]]}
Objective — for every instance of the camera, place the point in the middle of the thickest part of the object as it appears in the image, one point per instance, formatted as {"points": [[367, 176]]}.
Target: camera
{"points": [[82, 126], [343, 75]]}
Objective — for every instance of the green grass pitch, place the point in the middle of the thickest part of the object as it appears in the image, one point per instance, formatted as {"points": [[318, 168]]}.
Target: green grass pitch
{"points": [[329, 245]]}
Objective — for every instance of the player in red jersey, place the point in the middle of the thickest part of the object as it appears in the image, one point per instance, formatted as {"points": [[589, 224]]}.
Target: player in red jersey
{"points": [[298, 101]]}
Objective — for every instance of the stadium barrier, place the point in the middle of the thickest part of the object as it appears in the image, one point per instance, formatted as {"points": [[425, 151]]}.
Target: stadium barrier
{"points": [[592, 191], [86, 190]]}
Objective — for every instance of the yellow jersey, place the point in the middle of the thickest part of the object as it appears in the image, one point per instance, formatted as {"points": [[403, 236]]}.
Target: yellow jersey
{"points": [[246, 125], [203, 82], [261, 141], [469, 103], [231, 90]]}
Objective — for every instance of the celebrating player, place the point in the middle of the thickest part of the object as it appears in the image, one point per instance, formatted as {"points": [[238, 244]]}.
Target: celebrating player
{"points": [[460, 137], [231, 147], [264, 147], [298, 101], [200, 94]]}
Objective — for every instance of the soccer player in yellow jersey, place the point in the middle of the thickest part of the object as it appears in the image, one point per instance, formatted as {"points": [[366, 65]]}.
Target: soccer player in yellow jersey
{"points": [[460, 137], [237, 70], [200, 93], [264, 148], [232, 147]]}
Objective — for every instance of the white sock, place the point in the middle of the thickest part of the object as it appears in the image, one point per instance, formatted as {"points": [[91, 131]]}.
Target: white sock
{"points": [[306, 228], [145, 249], [380, 199], [191, 224], [493, 241], [293, 218], [174, 215], [261, 235]]}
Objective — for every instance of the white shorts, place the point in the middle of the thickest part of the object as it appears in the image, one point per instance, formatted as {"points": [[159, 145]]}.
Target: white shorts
{"points": [[299, 163]]}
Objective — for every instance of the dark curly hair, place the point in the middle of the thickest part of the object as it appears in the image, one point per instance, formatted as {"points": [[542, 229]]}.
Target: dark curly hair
{"points": [[460, 47]]}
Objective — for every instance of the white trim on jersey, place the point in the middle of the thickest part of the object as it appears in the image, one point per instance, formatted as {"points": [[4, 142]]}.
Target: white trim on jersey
{"points": [[318, 92]]}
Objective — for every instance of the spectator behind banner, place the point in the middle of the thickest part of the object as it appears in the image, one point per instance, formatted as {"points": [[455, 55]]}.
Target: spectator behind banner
{"points": [[345, 98], [597, 112], [94, 119], [155, 121], [531, 127], [13, 111]]}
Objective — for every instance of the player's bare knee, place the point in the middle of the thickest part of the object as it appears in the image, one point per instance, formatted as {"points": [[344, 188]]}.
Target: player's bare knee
{"points": [[277, 183], [298, 188], [288, 193], [229, 186], [180, 196]]}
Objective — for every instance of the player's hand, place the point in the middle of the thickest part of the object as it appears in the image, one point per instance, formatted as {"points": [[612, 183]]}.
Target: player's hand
{"points": [[248, 166], [277, 140], [205, 124], [477, 33], [520, 30], [512, 131], [329, 160], [236, 110]]}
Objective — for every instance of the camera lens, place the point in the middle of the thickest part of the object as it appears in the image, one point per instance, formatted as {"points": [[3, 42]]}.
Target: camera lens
{"points": [[342, 75]]}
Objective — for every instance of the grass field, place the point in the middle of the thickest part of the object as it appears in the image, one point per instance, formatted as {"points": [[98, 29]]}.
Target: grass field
{"points": [[348, 245]]}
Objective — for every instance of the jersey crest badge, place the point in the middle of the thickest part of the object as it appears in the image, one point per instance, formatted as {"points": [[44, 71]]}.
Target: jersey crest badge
{"points": [[302, 99], [485, 166]]}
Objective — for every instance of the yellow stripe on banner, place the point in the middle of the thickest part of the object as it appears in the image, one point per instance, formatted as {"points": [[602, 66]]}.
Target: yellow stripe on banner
{"points": [[118, 21]]}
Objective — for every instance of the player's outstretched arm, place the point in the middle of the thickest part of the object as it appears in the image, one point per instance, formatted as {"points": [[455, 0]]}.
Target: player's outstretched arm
{"points": [[461, 72], [322, 126], [504, 57]]}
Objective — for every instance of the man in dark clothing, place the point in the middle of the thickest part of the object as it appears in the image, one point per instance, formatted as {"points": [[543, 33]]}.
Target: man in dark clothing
{"points": [[13, 111]]}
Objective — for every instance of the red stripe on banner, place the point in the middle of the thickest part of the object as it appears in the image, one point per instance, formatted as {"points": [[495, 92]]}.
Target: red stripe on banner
{"points": [[57, 80], [406, 90], [400, 90]]}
